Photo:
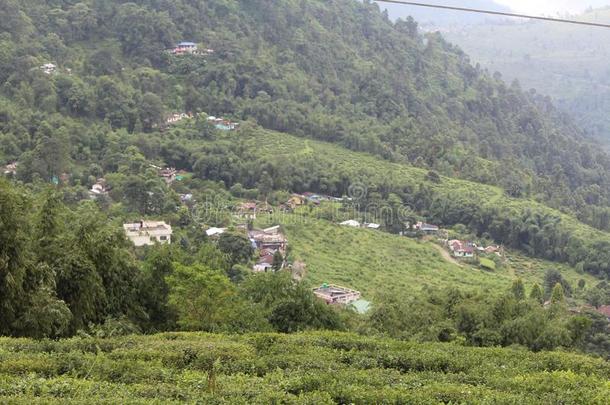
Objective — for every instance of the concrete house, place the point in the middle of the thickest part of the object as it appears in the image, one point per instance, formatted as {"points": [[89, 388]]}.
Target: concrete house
{"points": [[426, 228], [353, 223], [461, 249], [334, 294], [10, 169], [147, 233], [185, 48]]}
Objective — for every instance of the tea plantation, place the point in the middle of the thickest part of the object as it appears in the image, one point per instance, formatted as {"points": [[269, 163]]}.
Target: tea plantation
{"points": [[307, 368]]}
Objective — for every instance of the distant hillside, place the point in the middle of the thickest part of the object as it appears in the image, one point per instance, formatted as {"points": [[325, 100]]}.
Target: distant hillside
{"points": [[445, 19], [567, 62]]}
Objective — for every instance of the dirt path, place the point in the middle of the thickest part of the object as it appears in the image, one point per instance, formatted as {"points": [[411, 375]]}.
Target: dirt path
{"points": [[446, 255]]}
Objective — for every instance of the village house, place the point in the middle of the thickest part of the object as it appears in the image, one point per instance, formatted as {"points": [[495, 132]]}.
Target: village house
{"points": [[98, 189], [186, 198], [223, 124], [426, 228], [185, 48], [461, 249], [147, 233], [372, 226], [168, 174], [296, 200], [352, 222], [334, 294], [10, 169], [270, 238], [176, 117], [268, 242], [215, 231], [48, 68], [247, 210]]}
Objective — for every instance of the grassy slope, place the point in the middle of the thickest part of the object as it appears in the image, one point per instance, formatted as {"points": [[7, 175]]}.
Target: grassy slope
{"points": [[279, 146], [314, 368], [373, 261]]}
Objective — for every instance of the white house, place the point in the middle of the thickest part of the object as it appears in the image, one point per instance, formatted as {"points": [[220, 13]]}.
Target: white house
{"points": [[10, 169], [353, 223], [215, 231], [147, 233], [98, 189], [48, 68], [373, 226]]}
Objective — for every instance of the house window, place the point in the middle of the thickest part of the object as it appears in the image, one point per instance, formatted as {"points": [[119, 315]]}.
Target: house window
{"points": [[164, 238]]}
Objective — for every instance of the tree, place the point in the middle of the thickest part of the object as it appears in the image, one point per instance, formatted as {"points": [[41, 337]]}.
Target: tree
{"points": [[151, 111], [155, 292], [551, 278], [14, 257], [536, 293], [557, 296], [518, 289], [278, 261], [238, 248], [201, 297]]}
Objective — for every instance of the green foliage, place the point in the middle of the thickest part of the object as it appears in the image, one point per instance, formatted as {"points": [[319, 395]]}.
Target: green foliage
{"points": [[201, 297], [557, 295], [518, 289], [536, 294], [322, 367]]}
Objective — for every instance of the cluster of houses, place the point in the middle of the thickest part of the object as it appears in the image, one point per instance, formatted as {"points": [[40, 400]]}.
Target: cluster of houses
{"points": [[147, 233], [222, 124], [177, 117], [51, 69], [219, 123], [170, 174], [10, 169], [298, 200], [464, 249], [189, 48], [356, 224], [267, 243], [48, 68]]}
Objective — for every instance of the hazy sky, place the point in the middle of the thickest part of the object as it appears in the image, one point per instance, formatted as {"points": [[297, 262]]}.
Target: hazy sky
{"points": [[552, 6]]}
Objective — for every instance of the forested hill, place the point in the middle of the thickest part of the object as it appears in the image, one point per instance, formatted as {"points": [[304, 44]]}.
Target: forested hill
{"points": [[336, 70]]}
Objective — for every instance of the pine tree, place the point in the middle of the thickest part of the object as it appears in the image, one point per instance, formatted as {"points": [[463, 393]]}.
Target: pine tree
{"points": [[536, 293], [518, 289], [557, 296]]}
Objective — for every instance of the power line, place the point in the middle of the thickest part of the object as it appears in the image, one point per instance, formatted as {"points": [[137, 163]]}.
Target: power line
{"points": [[474, 10]]}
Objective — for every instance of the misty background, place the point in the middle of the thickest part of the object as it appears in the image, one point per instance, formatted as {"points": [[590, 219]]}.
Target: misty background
{"points": [[566, 62]]}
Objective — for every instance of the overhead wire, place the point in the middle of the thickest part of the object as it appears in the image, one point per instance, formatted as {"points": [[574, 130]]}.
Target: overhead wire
{"points": [[498, 13]]}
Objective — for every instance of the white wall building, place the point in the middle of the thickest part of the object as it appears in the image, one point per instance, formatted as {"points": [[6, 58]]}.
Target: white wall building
{"points": [[147, 233]]}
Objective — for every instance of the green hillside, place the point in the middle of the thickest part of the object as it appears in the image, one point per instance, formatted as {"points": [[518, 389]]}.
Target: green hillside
{"points": [[375, 262], [316, 166], [313, 368], [338, 71]]}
